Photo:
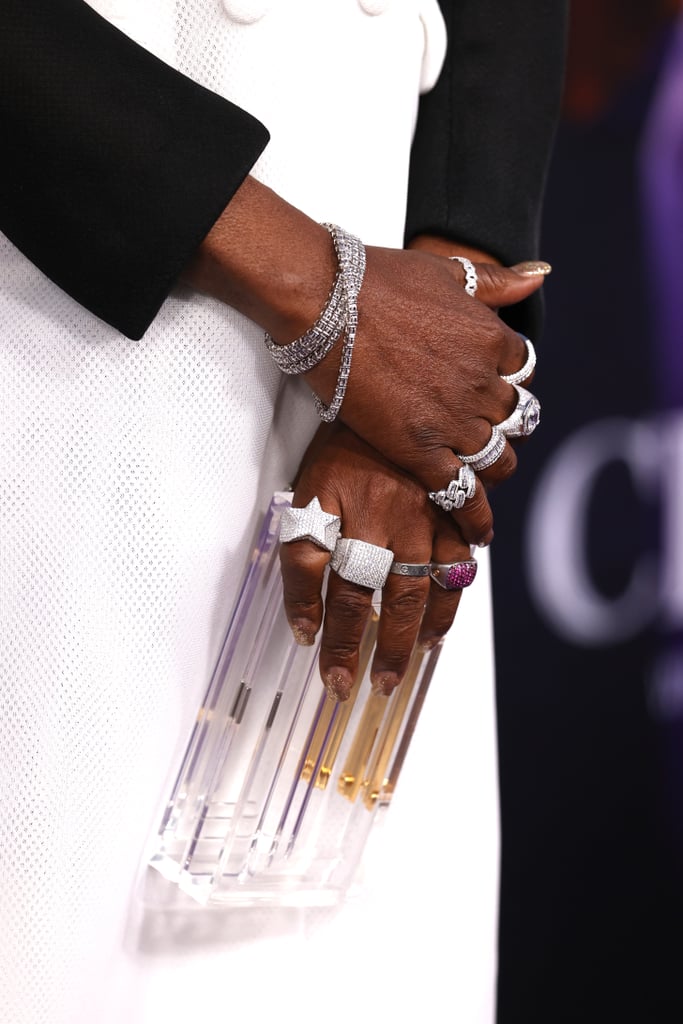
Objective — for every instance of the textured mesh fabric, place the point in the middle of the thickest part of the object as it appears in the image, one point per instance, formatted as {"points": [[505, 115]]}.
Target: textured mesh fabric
{"points": [[132, 477]]}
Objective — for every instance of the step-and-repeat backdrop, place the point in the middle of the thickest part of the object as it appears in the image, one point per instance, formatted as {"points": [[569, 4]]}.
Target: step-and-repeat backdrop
{"points": [[588, 556]]}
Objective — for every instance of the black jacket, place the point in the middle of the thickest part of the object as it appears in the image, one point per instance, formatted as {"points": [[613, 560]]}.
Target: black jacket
{"points": [[114, 166]]}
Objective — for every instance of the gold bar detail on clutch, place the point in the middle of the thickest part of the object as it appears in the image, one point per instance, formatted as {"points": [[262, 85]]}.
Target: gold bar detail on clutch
{"points": [[344, 715]]}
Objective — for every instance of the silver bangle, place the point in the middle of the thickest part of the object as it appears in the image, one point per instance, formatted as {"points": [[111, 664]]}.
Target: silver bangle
{"points": [[339, 317], [311, 348], [305, 352], [351, 255]]}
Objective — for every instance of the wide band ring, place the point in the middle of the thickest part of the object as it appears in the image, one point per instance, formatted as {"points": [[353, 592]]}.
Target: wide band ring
{"points": [[489, 454], [458, 491], [411, 568], [359, 562], [471, 279], [526, 416], [522, 374], [454, 575], [310, 523]]}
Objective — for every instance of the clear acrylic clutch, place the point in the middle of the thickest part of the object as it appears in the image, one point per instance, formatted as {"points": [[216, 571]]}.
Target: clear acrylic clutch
{"points": [[280, 785]]}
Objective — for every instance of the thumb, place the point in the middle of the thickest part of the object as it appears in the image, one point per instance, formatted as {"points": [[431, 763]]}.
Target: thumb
{"points": [[503, 286]]}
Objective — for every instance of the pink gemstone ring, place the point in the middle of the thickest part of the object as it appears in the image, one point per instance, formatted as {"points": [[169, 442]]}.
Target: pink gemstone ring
{"points": [[454, 575]]}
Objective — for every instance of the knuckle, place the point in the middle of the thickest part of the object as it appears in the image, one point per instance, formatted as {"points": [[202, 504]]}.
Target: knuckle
{"points": [[476, 520], [300, 557], [302, 608], [346, 615], [504, 468], [407, 604], [441, 618], [393, 659], [339, 649], [488, 276], [442, 609]]}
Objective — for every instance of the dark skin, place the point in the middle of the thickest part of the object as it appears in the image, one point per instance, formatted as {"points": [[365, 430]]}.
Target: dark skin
{"points": [[425, 383], [382, 504]]}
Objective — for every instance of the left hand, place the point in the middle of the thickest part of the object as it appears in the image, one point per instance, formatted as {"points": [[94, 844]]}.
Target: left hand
{"points": [[382, 505]]}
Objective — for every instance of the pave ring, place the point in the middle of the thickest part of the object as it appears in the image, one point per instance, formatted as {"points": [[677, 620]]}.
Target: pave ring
{"points": [[454, 575], [471, 279], [359, 562], [411, 568], [310, 523], [527, 369], [458, 491], [489, 454], [526, 416]]}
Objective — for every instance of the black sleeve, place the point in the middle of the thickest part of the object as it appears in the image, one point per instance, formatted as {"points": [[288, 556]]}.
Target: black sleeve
{"points": [[484, 133], [114, 166]]}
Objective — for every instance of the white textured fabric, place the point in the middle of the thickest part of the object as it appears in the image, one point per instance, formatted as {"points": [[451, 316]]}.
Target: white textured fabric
{"points": [[132, 475]]}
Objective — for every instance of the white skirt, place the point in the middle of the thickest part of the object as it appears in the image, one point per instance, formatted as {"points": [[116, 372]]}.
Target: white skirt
{"points": [[133, 475]]}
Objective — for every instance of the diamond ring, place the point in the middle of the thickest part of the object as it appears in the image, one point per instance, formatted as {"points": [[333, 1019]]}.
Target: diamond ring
{"points": [[525, 417], [454, 575], [310, 523], [368, 565], [521, 375], [411, 568], [458, 491], [471, 279], [489, 454]]}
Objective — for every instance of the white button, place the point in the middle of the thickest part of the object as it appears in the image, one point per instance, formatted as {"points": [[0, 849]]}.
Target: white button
{"points": [[246, 12], [375, 6]]}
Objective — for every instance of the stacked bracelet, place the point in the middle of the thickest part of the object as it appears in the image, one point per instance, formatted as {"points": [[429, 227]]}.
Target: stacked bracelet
{"points": [[339, 317]]}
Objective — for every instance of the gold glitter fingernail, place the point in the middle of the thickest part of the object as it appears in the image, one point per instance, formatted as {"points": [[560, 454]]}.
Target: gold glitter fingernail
{"points": [[533, 268]]}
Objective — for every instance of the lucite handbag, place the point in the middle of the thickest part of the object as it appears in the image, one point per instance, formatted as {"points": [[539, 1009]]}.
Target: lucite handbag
{"points": [[280, 786]]}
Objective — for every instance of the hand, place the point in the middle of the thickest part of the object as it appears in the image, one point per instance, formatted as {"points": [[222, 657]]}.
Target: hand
{"points": [[425, 381], [380, 504]]}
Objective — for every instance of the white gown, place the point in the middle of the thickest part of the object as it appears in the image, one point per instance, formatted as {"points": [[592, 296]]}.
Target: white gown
{"points": [[132, 477]]}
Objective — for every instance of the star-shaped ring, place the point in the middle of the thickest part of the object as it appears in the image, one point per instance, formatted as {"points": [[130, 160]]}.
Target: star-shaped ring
{"points": [[310, 523]]}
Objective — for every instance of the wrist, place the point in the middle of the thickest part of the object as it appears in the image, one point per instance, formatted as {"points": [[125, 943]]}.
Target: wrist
{"points": [[268, 260]]}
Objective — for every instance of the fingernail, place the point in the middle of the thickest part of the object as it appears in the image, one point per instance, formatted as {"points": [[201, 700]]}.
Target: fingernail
{"points": [[338, 683], [532, 268], [384, 683], [303, 632], [488, 539], [428, 643]]}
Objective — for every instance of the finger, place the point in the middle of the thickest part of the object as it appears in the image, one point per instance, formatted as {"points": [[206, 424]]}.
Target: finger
{"points": [[303, 567], [504, 286], [403, 604], [475, 518], [525, 373], [513, 355], [347, 610], [503, 454], [442, 604], [502, 469]]}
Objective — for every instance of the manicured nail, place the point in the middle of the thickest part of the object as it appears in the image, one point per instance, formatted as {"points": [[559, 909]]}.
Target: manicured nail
{"points": [[533, 268], [384, 683], [303, 632], [428, 643], [338, 683]]}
